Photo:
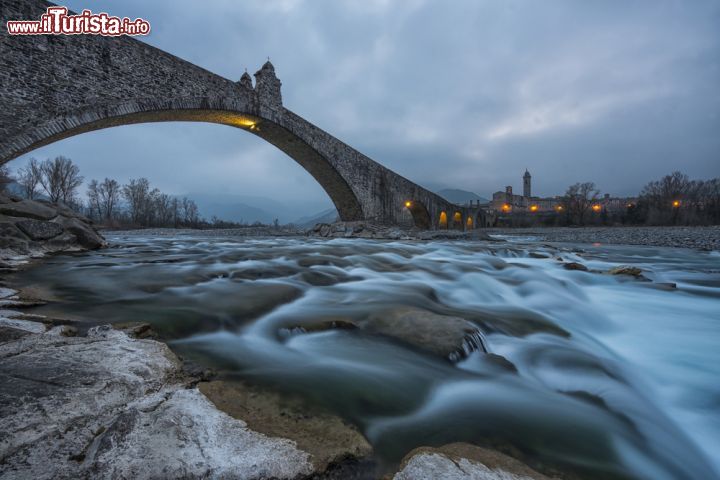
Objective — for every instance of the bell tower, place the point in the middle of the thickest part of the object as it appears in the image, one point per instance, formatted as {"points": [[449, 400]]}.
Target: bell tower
{"points": [[527, 191]]}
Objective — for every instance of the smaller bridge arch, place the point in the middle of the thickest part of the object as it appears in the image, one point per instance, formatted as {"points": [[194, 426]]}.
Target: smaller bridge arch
{"points": [[420, 214]]}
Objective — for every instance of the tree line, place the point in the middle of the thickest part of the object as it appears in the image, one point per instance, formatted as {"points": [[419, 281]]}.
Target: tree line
{"points": [[674, 199], [107, 202]]}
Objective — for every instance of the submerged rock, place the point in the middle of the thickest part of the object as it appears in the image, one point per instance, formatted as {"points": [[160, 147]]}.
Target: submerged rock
{"points": [[462, 461], [443, 335]]}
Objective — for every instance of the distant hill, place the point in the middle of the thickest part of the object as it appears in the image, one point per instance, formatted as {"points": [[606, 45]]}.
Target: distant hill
{"points": [[460, 197], [326, 216], [238, 208]]}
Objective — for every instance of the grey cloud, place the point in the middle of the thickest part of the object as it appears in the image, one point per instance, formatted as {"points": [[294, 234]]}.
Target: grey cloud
{"points": [[462, 94]]}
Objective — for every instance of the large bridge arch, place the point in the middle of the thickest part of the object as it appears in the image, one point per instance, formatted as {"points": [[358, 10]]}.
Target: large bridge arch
{"points": [[55, 86], [209, 110]]}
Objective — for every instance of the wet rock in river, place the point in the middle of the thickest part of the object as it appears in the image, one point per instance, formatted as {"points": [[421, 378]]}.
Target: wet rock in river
{"points": [[575, 266], [322, 325], [625, 270], [462, 461], [443, 335]]}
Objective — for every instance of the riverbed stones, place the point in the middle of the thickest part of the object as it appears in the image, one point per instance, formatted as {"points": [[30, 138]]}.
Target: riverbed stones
{"points": [[462, 461], [447, 336], [575, 266], [110, 406]]}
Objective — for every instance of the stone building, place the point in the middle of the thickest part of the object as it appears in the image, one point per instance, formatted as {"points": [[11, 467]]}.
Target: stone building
{"points": [[507, 202]]}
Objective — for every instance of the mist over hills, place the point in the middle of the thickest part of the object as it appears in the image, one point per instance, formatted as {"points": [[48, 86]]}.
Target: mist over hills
{"points": [[250, 208], [455, 195]]}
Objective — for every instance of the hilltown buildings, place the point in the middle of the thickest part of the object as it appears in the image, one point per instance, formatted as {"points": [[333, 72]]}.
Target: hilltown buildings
{"points": [[507, 202]]}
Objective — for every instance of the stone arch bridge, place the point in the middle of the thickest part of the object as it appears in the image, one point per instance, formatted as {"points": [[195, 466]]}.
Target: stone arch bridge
{"points": [[56, 86]]}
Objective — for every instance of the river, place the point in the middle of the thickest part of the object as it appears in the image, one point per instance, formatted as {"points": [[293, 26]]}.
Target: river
{"points": [[614, 377]]}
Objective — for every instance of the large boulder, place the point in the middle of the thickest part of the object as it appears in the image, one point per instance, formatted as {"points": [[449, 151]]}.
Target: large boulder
{"points": [[39, 230], [37, 227], [462, 461], [12, 239], [86, 235], [28, 209]]}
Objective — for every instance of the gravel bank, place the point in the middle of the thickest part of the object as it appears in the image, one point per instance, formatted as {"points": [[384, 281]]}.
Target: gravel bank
{"points": [[703, 238]]}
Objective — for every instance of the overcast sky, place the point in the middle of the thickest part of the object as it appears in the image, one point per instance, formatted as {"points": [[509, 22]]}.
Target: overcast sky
{"points": [[460, 94]]}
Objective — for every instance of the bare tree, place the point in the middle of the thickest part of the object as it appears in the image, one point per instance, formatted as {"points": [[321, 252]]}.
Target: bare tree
{"points": [[578, 200], [163, 209], [137, 194], [60, 178], [5, 177], [109, 197], [29, 178], [93, 194], [671, 188], [190, 213]]}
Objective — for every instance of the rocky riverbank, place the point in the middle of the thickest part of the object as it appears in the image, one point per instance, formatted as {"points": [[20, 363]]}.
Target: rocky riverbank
{"points": [[35, 228], [703, 238]]}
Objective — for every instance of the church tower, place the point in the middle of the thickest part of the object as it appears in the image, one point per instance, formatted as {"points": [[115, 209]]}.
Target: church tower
{"points": [[526, 184], [267, 86]]}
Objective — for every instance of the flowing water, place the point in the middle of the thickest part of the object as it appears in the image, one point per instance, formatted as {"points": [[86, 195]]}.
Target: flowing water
{"points": [[615, 377]]}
